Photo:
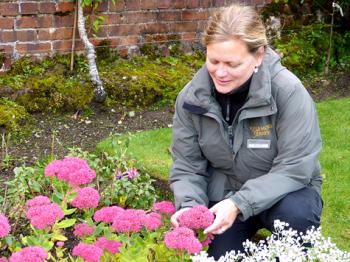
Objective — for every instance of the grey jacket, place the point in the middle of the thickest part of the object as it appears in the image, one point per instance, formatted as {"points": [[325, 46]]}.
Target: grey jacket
{"points": [[270, 150]]}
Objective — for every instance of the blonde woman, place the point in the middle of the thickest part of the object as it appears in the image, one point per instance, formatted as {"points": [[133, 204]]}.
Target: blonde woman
{"points": [[246, 138]]}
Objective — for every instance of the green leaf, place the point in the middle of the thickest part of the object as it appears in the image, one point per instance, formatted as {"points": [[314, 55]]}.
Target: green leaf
{"points": [[59, 237], [69, 211], [66, 223]]}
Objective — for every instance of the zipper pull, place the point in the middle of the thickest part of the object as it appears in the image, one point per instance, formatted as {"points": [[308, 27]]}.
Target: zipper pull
{"points": [[230, 135]]}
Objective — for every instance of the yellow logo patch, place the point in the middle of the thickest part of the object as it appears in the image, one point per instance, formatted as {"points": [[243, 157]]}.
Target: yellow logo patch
{"points": [[258, 131]]}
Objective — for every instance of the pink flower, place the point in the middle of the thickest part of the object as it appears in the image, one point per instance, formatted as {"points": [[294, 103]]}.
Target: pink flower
{"points": [[129, 221], [44, 215], [83, 230], [112, 246], [164, 207], [73, 170], [87, 197], [130, 174], [60, 244], [152, 221], [29, 254], [208, 240], [3, 259], [38, 201], [183, 238], [107, 214], [88, 252], [198, 217], [5, 227]]}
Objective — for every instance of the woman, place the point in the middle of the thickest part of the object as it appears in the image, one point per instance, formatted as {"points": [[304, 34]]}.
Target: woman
{"points": [[246, 138]]}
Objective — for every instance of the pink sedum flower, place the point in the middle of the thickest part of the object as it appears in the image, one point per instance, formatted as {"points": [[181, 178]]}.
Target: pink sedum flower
{"points": [[5, 227], [87, 197], [112, 246], [88, 252], [73, 170], [60, 244], [29, 254], [129, 221], [3, 259], [83, 230], [44, 215], [107, 214], [198, 217], [38, 201], [164, 207], [152, 221], [183, 238]]}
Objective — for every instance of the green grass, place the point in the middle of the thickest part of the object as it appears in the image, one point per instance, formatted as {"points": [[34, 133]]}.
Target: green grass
{"points": [[150, 148]]}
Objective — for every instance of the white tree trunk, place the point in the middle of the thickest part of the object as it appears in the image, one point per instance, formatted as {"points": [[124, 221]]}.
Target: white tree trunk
{"points": [[100, 93]]}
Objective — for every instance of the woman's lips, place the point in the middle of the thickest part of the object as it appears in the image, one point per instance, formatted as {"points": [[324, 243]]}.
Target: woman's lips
{"points": [[223, 82]]}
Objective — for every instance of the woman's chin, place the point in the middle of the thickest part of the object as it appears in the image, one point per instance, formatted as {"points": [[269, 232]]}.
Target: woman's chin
{"points": [[224, 89]]}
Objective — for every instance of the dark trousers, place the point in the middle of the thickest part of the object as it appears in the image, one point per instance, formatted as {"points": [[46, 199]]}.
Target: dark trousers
{"points": [[300, 209]]}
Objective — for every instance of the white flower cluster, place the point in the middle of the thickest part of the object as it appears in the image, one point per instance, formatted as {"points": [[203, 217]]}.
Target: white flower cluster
{"points": [[285, 245]]}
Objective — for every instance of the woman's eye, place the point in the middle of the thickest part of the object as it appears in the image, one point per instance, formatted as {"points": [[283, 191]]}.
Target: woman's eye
{"points": [[234, 65]]}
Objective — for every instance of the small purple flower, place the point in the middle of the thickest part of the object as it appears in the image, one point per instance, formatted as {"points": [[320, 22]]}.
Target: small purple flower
{"points": [[130, 174]]}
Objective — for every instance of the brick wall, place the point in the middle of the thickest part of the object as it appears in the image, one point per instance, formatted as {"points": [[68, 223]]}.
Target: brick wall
{"points": [[45, 27]]}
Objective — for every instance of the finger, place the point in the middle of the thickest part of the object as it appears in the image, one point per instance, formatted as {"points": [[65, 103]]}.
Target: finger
{"points": [[173, 221], [214, 227]]}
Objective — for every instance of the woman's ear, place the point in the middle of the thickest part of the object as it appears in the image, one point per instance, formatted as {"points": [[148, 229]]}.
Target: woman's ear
{"points": [[259, 55]]}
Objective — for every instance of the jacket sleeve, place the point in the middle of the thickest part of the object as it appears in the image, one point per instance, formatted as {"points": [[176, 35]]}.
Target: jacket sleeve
{"points": [[188, 176], [298, 143]]}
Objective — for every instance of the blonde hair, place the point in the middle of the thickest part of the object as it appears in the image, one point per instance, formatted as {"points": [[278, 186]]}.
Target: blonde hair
{"points": [[236, 22]]}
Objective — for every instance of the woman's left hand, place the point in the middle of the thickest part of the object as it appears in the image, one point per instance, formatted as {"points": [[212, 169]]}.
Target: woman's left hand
{"points": [[225, 214]]}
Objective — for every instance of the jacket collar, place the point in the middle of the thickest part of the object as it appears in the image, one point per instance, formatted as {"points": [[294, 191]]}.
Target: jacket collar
{"points": [[200, 96]]}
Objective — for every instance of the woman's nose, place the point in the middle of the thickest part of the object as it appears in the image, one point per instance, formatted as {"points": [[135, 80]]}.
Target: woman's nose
{"points": [[221, 71]]}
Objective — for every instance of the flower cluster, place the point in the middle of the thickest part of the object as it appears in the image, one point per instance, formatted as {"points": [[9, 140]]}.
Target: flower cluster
{"points": [[107, 214], [152, 221], [198, 217], [183, 238], [88, 252], [83, 230], [5, 227], [112, 246], [164, 207], [73, 170], [29, 254], [42, 213], [130, 174], [87, 197], [285, 244], [129, 221]]}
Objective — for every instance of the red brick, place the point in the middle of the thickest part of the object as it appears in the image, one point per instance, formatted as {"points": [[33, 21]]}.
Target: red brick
{"points": [[7, 9], [183, 27], [7, 49], [29, 48], [29, 8], [179, 4], [162, 4], [123, 52], [195, 15], [34, 22], [44, 35], [130, 40], [133, 5], [202, 25], [121, 30], [112, 19], [169, 15], [64, 21], [192, 4], [149, 4], [65, 7], [141, 17], [103, 7], [206, 3], [66, 45], [26, 35], [8, 36], [154, 28], [117, 7], [63, 33], [47, 8], [102, 32], [6, 23], [189, 36], [218, 3]]}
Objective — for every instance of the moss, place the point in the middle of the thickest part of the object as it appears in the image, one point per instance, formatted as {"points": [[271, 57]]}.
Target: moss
{"points": [[11, 114]]}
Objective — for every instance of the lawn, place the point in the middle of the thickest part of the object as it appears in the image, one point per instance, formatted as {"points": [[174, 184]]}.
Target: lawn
{"points": [[151, 149]]}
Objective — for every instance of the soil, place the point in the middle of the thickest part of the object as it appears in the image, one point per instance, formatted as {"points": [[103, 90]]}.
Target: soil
{"points": [[56, 133]]}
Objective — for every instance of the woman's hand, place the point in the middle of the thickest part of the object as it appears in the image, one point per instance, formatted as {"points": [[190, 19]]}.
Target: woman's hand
{"points": [[225, 214], [174, 217]]}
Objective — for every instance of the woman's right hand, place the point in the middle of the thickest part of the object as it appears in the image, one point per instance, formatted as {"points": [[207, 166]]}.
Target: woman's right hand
{"points": [[174, 217]]}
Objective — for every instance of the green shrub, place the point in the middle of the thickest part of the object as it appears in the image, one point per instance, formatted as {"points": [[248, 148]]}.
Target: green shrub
{"points": [[11, 114]]}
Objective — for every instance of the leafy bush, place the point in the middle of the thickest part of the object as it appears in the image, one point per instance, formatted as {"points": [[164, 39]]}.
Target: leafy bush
{"points": [[11, 114]]}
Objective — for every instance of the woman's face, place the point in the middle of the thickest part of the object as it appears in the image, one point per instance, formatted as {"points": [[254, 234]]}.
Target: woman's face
{"points": [[230, 64]]}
